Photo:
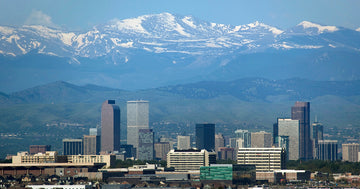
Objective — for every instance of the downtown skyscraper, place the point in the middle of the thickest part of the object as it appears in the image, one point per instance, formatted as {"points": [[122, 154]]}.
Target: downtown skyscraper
{"points": [[110, 126], [205, 136], [301, 111], [137, 118]]}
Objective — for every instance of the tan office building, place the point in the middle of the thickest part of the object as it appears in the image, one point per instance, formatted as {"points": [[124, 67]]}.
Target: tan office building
{"points": [[190, 160], [265, 159]]}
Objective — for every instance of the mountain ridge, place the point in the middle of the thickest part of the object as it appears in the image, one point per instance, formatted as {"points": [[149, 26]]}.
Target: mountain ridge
{"points": [[157, 33], [151, 51], [246, 89]]}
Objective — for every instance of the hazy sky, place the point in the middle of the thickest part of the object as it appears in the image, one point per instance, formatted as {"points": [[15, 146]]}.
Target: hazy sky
{"points": [[80, 14]]}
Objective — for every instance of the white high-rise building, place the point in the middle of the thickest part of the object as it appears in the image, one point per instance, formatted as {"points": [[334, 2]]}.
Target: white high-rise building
{"points": [[290, 128], [183, 142], [137, 118]]}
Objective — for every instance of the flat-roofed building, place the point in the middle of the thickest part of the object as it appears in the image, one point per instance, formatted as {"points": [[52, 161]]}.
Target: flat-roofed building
{"points": [[261, 139], [190, 160], [161, 150], [34, 149], [226, 153], [350, 152], [110, 126], [205, 136], [26, 158], [60, 169], [233, 174], [183, 142], [72, 146], [91, 144], [219, 142], [145, 150], [80, 159], [290, 128], [265, 159], [137, 118], [245, 135], [327, 150], [57, 186]]}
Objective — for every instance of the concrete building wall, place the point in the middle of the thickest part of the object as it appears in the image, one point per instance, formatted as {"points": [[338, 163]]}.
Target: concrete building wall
{"points": [[261, 139], [350, 152], [183, 142], [265, 159], [190, 160]]}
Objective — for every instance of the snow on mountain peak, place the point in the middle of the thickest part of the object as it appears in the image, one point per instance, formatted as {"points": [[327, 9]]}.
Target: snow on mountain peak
{"points": [[188, 20], [132, 24], [6, 30], [257, 24], [358, 29], [320, 28]]}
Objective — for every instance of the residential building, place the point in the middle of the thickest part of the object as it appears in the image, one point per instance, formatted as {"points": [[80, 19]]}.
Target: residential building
{"points": [[265, 159], [110, 126], [205, 136], [190, 160]]}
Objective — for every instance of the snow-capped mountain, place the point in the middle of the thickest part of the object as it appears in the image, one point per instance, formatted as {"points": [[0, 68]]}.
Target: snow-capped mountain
{"points": [[160, 49], [163, 33]]}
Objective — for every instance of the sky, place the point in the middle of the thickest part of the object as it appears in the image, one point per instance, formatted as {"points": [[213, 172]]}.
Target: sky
{"points": [[84, 14]]}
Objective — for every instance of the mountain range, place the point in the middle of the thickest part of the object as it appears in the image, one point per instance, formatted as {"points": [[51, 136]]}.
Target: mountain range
{"points": [[166, 49]]}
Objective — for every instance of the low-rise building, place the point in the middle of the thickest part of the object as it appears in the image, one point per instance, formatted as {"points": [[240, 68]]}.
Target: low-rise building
{"points": [[265, 159], [25, 157], [278, 176], [108, 159], [190, 160], [57, 186], [228, 173]]}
